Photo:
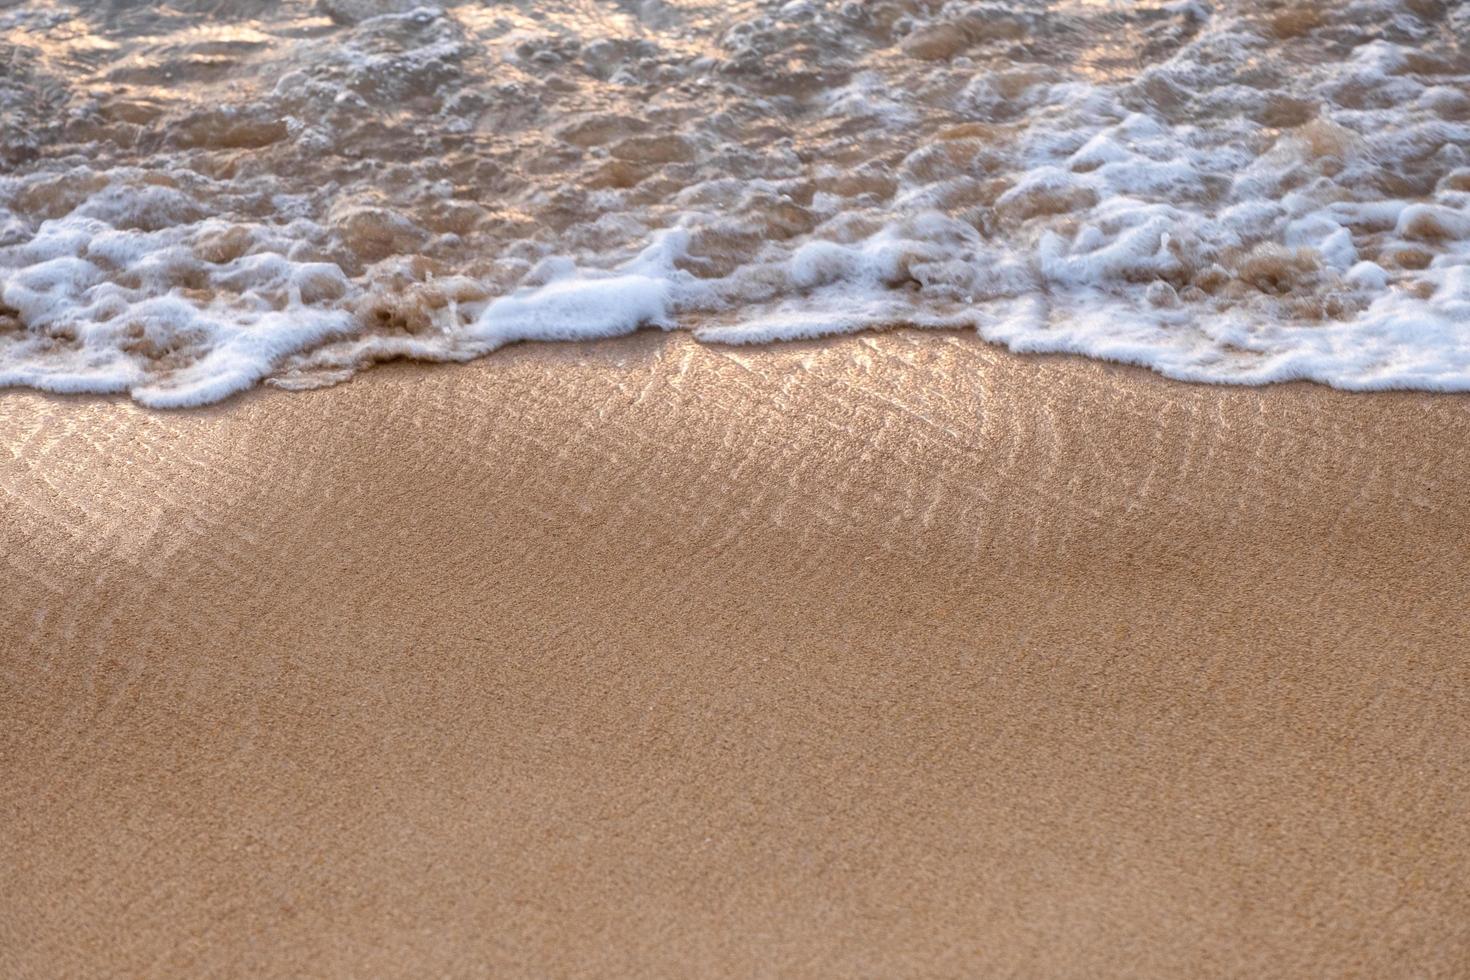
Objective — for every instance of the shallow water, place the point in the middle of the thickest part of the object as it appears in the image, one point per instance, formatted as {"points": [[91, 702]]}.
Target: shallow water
{"points": [[198, 195]]}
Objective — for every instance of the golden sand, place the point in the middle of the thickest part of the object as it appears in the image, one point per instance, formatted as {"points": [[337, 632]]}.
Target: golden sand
{"points": [[895, 656]]}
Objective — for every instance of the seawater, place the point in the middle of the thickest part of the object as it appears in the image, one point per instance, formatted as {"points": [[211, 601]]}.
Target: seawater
{"points": [[200, 195]]}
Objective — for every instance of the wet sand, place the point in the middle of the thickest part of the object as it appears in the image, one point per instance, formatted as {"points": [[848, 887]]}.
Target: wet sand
{"points": [[897, 655]]}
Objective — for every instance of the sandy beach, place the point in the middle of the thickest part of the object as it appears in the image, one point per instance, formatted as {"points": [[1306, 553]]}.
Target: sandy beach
{"points": [[892, 655]]}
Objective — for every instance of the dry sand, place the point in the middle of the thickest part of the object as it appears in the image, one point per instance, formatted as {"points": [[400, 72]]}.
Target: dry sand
{"points": [[891, 656]]}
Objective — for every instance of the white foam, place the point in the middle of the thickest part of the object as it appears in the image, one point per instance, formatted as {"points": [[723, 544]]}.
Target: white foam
{"points": [[585, 306], [1237, 211], [86, 332]]}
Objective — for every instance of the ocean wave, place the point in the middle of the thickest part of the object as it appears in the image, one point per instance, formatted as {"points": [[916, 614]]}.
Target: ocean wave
{"points": [[198, 197]]}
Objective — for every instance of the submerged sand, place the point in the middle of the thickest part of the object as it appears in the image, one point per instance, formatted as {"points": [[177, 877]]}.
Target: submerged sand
{"points": [[898, 655]]}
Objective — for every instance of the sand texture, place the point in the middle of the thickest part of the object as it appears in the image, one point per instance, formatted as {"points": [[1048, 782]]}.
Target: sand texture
{"points": [[896, 655]]}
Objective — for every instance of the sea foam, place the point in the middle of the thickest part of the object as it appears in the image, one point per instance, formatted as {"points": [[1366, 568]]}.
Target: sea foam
{"points": [[1232, 192]]}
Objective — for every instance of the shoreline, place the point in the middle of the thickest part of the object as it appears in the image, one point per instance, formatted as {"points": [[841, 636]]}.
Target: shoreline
{"points": [[895, 653], [269, 385]]}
